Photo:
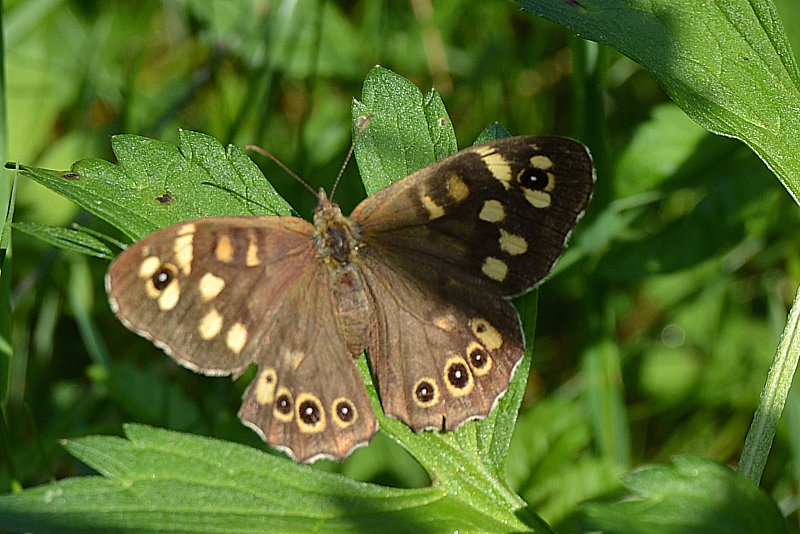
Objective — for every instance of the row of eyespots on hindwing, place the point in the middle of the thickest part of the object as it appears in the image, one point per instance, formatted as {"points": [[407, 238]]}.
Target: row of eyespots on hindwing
{"points": [[305, 409], [460, 371]]}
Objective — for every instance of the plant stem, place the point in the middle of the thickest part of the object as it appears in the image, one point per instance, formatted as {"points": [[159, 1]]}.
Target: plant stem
{"points": [[773, 398]]}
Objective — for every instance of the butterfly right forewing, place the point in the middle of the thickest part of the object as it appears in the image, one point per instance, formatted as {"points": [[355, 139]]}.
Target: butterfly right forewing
{"points": [[444, 249]]}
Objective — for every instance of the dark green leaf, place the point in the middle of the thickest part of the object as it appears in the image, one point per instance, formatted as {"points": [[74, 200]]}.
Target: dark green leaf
{"points": [[66, 239], [696, 495]]}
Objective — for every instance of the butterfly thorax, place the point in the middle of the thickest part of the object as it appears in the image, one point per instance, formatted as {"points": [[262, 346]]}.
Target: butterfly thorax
{"points": [[336, 241]]}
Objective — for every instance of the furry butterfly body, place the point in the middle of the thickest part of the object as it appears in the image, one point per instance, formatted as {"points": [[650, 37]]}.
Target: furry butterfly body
{"points": [[419, 276]]}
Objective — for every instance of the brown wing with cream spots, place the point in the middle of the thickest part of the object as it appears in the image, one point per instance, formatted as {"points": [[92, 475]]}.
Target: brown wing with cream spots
{"points": [[443, 249], [218, 294], [495, 215], [442, 354]]}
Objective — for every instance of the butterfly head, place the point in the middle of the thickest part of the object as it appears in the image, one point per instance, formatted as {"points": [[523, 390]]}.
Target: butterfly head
{"points": [[335, 236]]}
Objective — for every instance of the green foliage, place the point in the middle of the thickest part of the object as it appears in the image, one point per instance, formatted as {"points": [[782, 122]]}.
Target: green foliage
{"points": [[695, 495], [655, 333]]}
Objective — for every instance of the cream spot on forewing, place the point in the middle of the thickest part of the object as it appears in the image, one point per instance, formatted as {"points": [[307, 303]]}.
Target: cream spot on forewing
{"points": [[457, 188], [184, 252], [541, 162], [265, 386], [500, 168], [211, 286], [482, 150], [224, 249], [169, 296], [149, 266], [252, 259], [188, 228], [537, 199], [151, 290], [495, 268], [236, 338], [487, 334], [492, 211], [512, 244], [434, 210], [210, 325]]}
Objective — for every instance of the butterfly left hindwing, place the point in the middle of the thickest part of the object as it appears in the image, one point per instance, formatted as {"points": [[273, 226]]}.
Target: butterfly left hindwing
{"points": [[420, 275]]}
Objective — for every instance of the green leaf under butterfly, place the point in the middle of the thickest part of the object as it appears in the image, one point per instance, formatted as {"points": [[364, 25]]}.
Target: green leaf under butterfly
{"points": [[157, 481], [157, 184], [159, 476], [67, 239]]}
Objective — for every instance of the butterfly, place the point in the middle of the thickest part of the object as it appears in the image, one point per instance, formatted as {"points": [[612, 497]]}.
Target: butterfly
{"points": [[419, 276]]}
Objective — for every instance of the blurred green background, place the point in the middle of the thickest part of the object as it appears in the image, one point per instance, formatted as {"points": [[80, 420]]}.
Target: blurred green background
{"points": [[655, 333]]}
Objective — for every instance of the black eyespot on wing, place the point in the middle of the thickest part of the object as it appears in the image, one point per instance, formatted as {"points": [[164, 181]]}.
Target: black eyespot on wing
{"points": [[163, 276]]}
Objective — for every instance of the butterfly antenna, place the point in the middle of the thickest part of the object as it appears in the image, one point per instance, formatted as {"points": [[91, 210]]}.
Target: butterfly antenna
{"points": [[266, 153], [363, 122]]}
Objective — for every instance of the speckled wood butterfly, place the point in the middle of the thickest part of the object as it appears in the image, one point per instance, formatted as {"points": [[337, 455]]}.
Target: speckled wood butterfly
{"points": [[419, 276]]}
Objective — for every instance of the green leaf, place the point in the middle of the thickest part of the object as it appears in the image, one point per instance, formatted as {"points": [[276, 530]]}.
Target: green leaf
{"points": [[406, 132], [157, 481], [67, 239], [727, 64], [696, 495], [157, 184]]}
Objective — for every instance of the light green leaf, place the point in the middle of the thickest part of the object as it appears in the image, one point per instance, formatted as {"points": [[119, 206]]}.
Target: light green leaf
{"points": [[406, 132], [157, 481], [157, 184]]}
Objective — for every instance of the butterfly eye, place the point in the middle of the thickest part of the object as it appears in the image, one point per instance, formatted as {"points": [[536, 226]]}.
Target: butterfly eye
{"points": [[458, 377], [534, 178], [310, 413]]}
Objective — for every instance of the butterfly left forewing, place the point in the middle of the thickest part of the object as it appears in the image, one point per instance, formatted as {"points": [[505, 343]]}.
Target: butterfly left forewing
{"points": [[218, 294]]}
